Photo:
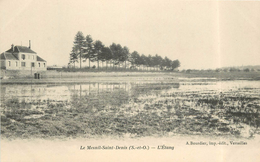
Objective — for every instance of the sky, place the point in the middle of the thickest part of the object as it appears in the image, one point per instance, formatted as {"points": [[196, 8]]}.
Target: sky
{"points": [[200, 34]]}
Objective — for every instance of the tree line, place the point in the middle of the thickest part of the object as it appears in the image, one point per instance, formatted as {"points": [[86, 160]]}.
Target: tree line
{"points": [[84, 48]]}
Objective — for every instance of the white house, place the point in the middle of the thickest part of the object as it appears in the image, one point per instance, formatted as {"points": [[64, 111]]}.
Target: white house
{"points": [[22, 58]]}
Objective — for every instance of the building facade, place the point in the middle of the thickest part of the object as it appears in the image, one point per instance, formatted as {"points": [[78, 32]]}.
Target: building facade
{"points": [[22, 58]]}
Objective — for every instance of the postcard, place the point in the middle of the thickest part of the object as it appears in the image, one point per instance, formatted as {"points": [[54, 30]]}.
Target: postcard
{"points": [[128, 80]]}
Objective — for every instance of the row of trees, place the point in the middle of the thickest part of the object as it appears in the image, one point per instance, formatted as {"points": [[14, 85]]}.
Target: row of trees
{"points": [[84, 48]]}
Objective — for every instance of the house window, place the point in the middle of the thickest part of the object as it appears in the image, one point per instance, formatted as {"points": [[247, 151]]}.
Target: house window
{"points": [[23, 64], [33, 64], [23, 57], [16, 63], [28, 56], [33, 57], [9, 63], [43, 64], [39, 64]]}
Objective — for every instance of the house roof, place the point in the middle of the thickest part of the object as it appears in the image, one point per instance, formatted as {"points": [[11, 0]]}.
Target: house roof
{"points": [[22, 49], [40, 59], [8, 56], [2, 56]]}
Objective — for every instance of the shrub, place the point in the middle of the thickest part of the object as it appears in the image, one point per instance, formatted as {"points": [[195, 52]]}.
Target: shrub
{"points": [[246, 70]]}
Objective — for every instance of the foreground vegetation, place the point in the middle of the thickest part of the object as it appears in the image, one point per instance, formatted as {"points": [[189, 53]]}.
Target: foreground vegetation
{"points": [[145, 111]]}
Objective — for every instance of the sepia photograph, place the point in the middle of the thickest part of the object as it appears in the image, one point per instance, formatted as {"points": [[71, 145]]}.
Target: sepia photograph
{"points": [[129, 80]]}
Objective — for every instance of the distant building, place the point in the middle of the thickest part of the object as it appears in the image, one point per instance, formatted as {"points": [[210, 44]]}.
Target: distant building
{"points": [[54, 67], [22, 58]]}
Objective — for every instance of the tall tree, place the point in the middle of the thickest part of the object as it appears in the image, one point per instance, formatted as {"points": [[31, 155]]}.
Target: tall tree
{"points": [[106, 55], [157, 61], [89, 50], [79, 42], [73, 56], [149, 61], [143, 60], [85, 48], [113, 48], [117, 52], [168, 62], [135, 58], [98, 46], [125, 54]]}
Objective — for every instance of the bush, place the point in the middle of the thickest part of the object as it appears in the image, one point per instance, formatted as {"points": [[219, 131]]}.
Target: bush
{"points": [[233, 69], [246, 70]]}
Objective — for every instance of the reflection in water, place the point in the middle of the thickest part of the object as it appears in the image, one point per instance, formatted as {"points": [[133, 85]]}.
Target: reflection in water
{"points": [[131, 109], [64, 92]]}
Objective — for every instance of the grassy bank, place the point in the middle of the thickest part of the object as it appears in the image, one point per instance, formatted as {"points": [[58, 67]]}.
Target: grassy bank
{"points": [[53, 74], [79, 77], [253, 75]]}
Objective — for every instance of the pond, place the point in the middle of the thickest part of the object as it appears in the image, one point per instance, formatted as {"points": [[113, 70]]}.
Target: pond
{"points": [[131, 109]]}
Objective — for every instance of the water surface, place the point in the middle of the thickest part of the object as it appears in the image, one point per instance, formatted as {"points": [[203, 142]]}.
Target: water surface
{"points": [[135, 109]]}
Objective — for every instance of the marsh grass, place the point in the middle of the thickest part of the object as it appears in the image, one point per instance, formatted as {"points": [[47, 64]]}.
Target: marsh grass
{"points": [[147, 110]]}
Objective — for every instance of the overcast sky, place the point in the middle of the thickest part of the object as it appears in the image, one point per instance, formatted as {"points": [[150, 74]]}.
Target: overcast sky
{"points": [[201, 34]]}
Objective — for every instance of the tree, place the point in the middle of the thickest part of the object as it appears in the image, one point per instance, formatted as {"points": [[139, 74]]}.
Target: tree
{"points": [[157, 60], [142, 60], [73, 56], [79, 42], [163, 64], [106, 55], [117, 52], [113, 48], [175, 64], [135, 58], [89, 50], [125, 55], [85, 48], [149, 61], [98, 46], [166, 62]]}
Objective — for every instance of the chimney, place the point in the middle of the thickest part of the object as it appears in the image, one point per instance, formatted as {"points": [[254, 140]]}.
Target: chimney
{"points": [[12, 47], [30, 44]]}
